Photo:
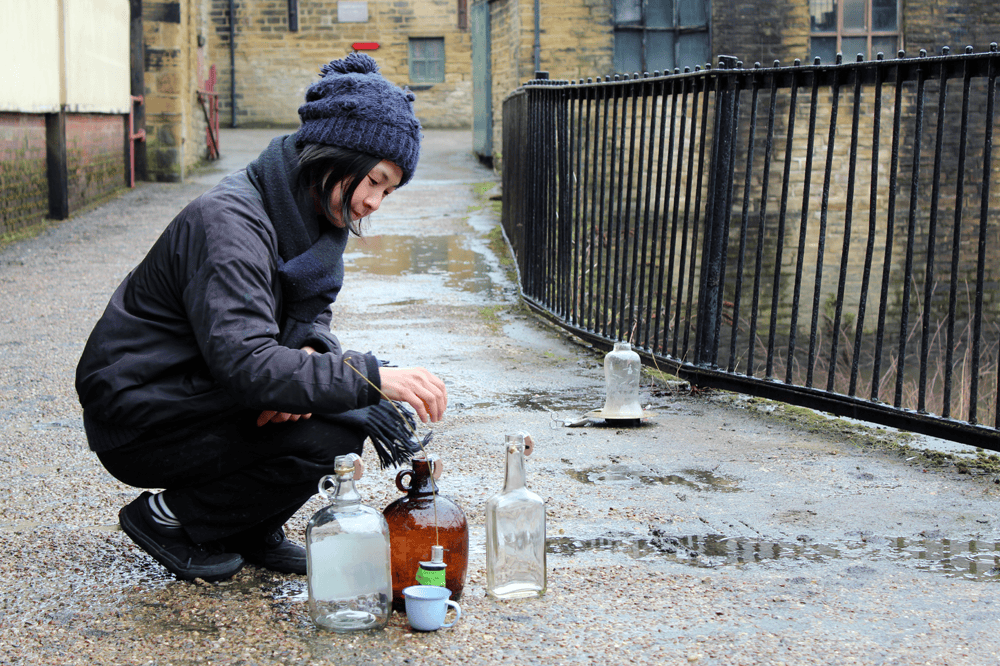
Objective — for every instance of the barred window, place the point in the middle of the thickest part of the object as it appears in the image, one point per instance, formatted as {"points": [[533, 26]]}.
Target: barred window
{"points": [[653, 35], [851, 27], [426, 59]]}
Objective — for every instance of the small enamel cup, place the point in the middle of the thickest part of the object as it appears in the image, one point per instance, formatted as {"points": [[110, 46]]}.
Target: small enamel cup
{"points": [[426, 606]]}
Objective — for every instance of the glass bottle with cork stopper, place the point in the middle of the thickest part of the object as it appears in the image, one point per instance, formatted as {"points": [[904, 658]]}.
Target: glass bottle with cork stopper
{"points": [[347, 556], [421, 521], [515, 531]]}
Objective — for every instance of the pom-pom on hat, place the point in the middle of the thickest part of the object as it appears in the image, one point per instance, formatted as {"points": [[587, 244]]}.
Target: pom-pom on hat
{"points": [[354, 106]]}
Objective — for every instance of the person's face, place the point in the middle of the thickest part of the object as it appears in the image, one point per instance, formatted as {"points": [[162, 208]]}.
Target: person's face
{"points": [[368, 196]]}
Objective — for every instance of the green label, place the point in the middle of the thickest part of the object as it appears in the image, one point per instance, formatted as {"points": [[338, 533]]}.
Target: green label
{"points": [[430, 577]]}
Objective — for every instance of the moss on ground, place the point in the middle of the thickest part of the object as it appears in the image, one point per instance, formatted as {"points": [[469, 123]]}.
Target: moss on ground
{"points": [[898, 443], [491, 316], [893, 442], [22, 234]]}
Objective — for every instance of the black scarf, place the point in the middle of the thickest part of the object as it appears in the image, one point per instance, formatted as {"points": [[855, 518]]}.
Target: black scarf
{"points": [[311, 270]]}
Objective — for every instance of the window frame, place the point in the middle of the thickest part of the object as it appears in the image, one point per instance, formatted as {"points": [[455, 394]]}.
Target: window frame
{"points": [[840, 33], [677, 29], [411, 60]]}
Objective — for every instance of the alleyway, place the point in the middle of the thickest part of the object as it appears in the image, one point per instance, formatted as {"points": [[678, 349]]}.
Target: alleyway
{"points": [[716, 533]]}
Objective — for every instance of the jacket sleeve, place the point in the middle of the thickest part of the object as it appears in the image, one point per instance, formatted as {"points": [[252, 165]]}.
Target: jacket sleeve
{"points": [[232, 298]]}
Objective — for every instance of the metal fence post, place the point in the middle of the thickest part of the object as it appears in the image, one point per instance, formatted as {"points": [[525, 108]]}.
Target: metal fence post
{"points": [[717, 218]]}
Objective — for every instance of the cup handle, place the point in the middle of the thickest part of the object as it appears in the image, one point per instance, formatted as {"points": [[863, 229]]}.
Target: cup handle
{"points": [[458, 613]]}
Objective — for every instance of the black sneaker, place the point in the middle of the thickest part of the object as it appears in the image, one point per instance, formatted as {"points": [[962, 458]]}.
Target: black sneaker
{"points": [[171, 547], [272, 551]]}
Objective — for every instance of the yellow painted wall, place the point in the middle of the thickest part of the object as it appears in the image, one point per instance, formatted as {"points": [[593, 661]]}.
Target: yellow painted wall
{"points": [[97, 55], [29, 49], [70, 54]]}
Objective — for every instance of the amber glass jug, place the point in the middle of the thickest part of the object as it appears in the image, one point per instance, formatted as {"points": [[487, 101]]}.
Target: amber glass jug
{"points": [[419, 520]]}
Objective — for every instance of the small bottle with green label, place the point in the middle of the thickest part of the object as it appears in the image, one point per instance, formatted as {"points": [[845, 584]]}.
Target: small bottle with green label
{"points": [[433, 572]]}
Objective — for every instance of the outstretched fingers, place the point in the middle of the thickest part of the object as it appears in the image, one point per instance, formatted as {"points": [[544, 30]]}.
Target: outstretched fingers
{"points": [[417, 387]]}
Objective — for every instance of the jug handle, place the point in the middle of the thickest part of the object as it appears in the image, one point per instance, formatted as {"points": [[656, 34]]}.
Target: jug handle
{"points": [[437, 468], [326, 484], [399, 480]]}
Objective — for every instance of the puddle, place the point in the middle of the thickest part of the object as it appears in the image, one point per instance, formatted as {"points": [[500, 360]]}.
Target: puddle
{"points": [[573, 402], [291, 591], [694, 479], [971, 560], [413, 255]]}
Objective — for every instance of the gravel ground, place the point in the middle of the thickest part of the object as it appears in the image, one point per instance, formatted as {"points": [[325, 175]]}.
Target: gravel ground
{"points": [[716, 533]]}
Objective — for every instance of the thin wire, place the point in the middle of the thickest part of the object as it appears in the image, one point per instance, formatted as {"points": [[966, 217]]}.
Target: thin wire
{"points": [[420, 443]]}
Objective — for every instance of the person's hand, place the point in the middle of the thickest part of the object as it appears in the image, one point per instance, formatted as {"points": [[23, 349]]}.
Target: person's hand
{"points": [[270, 416], [417, 387]]}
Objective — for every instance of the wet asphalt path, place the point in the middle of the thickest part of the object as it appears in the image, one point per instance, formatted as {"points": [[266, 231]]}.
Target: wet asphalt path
{"points": [[715, 534]]}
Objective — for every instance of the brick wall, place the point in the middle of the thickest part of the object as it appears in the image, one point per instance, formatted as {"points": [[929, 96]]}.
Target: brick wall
{"points": [[95, 157], [275, 66], [178, 56], [931, 24], [575, 38], [24, 193], [761, 31], [95, 164]]}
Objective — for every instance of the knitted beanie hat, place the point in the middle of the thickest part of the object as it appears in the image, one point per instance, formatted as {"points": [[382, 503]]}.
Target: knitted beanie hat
{"points": [[353, 106]]}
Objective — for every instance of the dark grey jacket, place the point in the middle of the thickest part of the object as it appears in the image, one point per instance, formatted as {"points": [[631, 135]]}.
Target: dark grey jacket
{"points": [[192, 331]]}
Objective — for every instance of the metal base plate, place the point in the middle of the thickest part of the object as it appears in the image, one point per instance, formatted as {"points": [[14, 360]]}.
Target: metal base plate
{"points": [[600, 414]]}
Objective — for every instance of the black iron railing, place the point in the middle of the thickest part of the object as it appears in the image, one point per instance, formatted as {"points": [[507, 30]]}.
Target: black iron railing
{"points": [[823, 235]]}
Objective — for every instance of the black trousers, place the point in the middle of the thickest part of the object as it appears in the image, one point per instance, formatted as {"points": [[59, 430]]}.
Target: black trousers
{"points": [[225, 477]]}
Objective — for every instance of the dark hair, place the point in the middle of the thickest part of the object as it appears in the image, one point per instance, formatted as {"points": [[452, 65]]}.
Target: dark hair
{"points": [[322, 167]]}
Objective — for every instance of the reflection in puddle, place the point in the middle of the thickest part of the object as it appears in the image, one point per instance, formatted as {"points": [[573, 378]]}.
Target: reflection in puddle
{"points": [[291, 591], [695, 479], [410, 255], [972, 560]]}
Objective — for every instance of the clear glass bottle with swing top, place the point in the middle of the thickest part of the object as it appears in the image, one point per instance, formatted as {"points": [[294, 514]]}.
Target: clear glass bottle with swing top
{"points": [[515, 531], [347, 557]]}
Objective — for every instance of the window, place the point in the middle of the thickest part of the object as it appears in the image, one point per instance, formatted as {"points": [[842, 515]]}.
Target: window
{"points": [[426, 59], [851, 27], [653, 35], [463, 14]]}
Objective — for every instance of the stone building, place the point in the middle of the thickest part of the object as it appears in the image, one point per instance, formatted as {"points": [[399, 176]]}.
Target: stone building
{"points": [[270, 51], [573, 39], [461, 58]]}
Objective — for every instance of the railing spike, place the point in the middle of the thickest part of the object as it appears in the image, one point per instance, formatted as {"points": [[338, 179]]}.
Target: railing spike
{"points": [[945, 50]]}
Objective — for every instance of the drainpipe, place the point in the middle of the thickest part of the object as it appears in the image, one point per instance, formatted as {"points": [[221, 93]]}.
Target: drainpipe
{"points": [[538, 31], [232, 62]]}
